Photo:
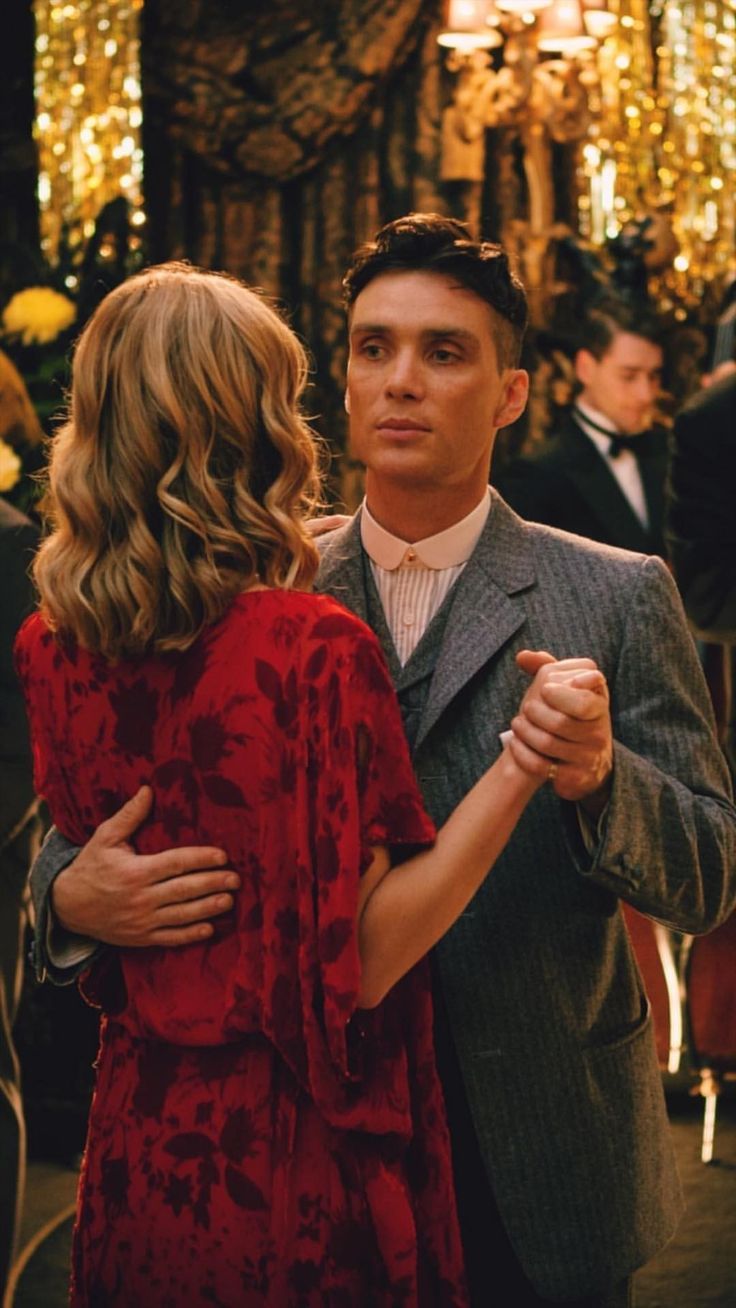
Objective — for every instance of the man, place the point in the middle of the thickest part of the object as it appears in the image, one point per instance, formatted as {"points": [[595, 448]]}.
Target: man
{"points": [[564, 1168], [602, 474], [18, 842], [701, 536]]}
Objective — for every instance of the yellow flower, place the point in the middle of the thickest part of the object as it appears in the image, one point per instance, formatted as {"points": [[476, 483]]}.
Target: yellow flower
{"points": [[37, 315], [9, 467]]}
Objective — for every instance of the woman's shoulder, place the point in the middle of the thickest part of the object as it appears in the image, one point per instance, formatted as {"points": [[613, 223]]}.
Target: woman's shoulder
{"points": [[33, 636], [311, 633], [286, 615]]}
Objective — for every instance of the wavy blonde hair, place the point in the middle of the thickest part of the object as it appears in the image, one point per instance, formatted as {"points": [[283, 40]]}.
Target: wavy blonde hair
{"points": [[185, 469]]}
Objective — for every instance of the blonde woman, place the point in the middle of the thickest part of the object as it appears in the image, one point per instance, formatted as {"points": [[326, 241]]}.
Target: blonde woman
{"points": [[267, 1126]]}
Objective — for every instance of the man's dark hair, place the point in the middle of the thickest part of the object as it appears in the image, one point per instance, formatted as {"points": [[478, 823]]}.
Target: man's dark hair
{"points": [[427, 242], [610, 317]]}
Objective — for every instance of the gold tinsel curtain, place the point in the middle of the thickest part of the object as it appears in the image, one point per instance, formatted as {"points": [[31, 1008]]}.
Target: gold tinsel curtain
{"points": [[277, 139]]}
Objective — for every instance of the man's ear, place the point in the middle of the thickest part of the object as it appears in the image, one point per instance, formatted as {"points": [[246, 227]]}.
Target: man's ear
{"points": [[585, 364], [346, 400], [514, 398]]}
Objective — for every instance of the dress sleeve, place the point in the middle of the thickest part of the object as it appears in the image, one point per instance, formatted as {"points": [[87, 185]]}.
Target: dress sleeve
{"points": [[359, 791]]}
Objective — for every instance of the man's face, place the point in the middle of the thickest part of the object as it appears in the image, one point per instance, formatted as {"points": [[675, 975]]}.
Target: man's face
{"points": [[425, 394], [624, 384]]}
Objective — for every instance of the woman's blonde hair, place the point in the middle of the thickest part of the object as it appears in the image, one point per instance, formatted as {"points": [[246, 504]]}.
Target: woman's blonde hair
{"points": [[185, 469]]}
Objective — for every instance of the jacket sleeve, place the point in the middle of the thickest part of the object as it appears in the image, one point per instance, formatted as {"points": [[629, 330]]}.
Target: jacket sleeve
{"points": [[57, 954], [668, 846], [701, 525]]}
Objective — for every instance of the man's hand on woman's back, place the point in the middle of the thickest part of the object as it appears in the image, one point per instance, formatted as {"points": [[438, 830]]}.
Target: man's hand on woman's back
{"points": [[112, 894]]}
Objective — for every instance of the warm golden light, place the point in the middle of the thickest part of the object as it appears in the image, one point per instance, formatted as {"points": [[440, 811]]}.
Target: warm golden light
{"points": [[88, 114], [669, 132]]}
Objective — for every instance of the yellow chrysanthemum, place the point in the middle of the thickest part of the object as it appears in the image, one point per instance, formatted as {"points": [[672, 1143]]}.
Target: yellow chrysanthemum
{"points": [[9, 467], [37, 315]]}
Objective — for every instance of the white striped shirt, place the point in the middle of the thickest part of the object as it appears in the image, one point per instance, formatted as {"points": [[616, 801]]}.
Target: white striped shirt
{"points": [[413, 578]]}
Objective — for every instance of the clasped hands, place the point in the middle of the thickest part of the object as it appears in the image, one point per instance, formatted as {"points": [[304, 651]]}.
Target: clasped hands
{"points": [[561, 734], [562, 731]]}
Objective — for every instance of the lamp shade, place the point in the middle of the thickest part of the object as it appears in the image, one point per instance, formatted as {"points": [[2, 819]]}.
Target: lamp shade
{"points": [[522, 6], [598, 19], [470, 25], [560, 29]]}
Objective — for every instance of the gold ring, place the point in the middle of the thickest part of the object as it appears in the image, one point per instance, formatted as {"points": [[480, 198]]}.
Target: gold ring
{"points": [[552, 771]]}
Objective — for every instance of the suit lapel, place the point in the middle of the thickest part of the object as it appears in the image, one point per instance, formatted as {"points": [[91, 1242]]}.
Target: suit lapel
{"points": [[592, 477], [654, 475], [341, 573], [485, 611]]}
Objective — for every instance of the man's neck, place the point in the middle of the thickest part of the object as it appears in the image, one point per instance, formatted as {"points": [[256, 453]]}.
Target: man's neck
{"points": [[414, 516]]}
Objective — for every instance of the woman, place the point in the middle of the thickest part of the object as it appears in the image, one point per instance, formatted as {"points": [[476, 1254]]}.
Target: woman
{"points": [[267, 1126]]}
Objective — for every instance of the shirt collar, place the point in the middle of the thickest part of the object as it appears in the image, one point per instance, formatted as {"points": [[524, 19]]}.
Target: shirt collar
{"points": [[602, 442], [447, 549]]}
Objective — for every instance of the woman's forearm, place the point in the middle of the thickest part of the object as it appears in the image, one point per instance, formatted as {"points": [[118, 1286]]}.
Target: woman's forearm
{"points": [[417, 901]]}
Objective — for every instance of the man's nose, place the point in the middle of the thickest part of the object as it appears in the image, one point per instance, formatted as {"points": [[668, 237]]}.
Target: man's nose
{"points": [[647, 389], [405, 375]]}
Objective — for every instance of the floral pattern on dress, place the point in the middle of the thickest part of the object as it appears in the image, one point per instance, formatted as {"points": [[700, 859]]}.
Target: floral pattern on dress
{"points": [[255, 1138]]}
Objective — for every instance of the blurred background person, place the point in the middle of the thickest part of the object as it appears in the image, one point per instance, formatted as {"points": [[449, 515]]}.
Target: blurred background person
{"points": [[601, 473]]}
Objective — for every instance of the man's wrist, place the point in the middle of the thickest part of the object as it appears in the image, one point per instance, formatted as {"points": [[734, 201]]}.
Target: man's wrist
{"points": [[595, 804]]}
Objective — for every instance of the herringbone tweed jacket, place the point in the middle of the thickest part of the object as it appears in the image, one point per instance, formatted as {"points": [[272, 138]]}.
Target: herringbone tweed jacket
{"points": [[551, 1023]]}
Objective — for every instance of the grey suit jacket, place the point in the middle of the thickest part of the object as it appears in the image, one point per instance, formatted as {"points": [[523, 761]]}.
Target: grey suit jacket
{"points": [[549, 1016], [551, 1023]]}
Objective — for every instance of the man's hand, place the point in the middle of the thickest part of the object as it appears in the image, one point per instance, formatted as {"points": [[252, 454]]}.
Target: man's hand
{"points": [[112, 894], [563, 728]]}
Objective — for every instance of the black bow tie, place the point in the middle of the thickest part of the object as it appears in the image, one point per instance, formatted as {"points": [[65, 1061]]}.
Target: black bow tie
{"points": [[638, 444], [619, 443]]}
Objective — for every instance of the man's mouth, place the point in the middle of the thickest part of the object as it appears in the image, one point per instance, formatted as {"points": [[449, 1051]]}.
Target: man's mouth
{"points": [[402, 424]]}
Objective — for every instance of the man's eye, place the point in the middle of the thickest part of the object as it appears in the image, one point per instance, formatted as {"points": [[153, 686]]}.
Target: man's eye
{"points": [[444, 356], [371, 350]]}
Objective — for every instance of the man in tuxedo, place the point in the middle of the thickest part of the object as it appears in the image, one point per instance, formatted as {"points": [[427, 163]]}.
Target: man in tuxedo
{"points": [[564, 1167], [602, 473], [18, 843]]}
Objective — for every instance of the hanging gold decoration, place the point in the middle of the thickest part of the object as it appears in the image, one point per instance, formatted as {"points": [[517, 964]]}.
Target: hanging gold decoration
{"points": [[663, 139], [88, 114]]}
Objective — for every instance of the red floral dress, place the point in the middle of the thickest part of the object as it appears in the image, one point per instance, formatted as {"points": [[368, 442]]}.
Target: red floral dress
{"points": [[254, 1138]]}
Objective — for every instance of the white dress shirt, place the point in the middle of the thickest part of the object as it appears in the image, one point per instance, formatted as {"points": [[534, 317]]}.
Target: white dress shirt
{"points": [[624, 467], [413, 578]]}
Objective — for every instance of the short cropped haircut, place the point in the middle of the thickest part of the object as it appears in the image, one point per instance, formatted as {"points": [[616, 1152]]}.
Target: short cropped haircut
{"points": [[185, 469], [427, 242], [611, 317]]}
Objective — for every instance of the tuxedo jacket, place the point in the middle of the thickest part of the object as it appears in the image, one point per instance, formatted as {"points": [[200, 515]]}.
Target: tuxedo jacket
{"points": [[568, 484], [550, 1020], [701, 524], [551, 1023]]}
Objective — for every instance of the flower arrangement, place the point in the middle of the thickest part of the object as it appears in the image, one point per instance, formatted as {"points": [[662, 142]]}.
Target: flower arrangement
{"points": [[10, 467], [38, 315], [35, 328], [38, 324]]}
